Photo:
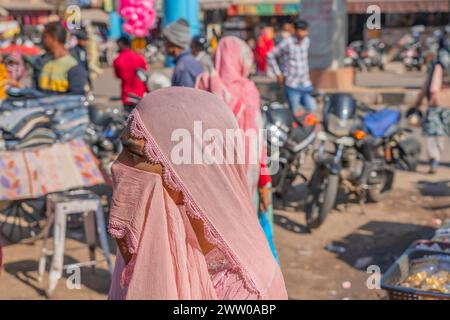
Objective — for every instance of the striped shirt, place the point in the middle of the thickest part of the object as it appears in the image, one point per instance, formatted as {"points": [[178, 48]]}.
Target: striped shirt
{"points": [[294, 55]]}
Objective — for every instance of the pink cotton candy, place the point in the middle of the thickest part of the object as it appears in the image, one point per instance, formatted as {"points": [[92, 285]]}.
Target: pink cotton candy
{"points": [[139, 16]]}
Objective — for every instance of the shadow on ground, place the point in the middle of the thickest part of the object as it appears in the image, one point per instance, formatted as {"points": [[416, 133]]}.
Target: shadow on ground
{"points": [[26, 272], [293, 198], [289, 224], [434, 189], [441, 164], [380, 242]]}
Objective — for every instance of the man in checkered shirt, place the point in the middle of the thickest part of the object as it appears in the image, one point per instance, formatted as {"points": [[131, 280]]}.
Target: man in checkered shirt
{"points": [[293, 51]]}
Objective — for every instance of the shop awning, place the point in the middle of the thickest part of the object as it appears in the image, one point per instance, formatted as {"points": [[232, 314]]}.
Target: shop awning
{"points": [[263, 8], [249, 6], [95, 15], [399, 6], [204, 4], [3, 12], [26, 5]]}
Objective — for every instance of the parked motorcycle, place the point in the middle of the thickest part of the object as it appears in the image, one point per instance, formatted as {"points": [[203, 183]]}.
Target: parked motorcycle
{"points": [[373, 55], [353, 55], [289, 137], [103, 133], [413, 56], [367, 146]]}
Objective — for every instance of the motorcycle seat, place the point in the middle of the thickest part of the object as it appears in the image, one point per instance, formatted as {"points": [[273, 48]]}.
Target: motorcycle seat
{"points": [[300, 138], [301, 133]]}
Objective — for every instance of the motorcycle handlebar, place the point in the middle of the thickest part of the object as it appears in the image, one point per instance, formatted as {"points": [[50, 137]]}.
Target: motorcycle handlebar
{"points": [[365, 108]]}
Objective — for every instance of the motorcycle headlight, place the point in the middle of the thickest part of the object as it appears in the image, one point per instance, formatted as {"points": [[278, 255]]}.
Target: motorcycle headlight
{"points": [[339, 127], [276, 136]]}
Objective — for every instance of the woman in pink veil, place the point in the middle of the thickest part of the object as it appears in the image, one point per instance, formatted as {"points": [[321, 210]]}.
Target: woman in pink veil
{"points": [[185, 225], [230, 81]]}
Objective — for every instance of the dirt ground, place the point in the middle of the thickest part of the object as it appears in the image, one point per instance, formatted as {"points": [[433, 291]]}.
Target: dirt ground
{"points": [[416, 207]]}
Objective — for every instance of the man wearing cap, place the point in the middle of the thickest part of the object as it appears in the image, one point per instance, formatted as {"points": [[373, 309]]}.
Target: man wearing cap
{"points": [[177, 38], [295, 75]]}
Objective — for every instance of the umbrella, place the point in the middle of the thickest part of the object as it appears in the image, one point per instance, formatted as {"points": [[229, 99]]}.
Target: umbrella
{"points": [[25, 50]]}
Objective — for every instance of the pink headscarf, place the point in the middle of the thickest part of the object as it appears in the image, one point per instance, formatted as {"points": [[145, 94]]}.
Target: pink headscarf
{"points": [[234, 59], [168, 262]]}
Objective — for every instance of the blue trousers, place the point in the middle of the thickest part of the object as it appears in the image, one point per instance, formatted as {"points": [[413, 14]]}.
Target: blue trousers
{"points": [[300, 96]]}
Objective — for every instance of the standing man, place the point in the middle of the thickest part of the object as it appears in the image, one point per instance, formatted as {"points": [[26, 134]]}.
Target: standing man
{"points": [[295, 75], [79, 52], [177, 38], [199, 49], [127, 67], [60, 72]]}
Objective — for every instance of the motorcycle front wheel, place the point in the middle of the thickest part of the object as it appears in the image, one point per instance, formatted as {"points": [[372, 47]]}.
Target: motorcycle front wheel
{"points": [[322, 194]]}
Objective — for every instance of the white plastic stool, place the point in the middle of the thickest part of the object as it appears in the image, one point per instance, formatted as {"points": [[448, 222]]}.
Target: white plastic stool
{"points": [[59, 206]]}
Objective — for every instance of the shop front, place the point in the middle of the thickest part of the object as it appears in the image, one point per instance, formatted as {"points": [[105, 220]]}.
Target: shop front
{"points": [[244, 18], [28, 12], [397, 17]]}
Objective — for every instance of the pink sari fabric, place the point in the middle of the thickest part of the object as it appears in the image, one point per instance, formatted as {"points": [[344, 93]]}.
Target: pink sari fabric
{"points": [[234, 60], [229, 81], [168, 262]]}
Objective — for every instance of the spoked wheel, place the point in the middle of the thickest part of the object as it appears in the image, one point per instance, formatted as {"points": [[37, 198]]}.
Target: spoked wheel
{"points": [[22, 220], [322, 194]]}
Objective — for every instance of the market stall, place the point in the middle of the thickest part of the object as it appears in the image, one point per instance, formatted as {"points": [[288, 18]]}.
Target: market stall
{"points": [[41, 152], [423, 271]]}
